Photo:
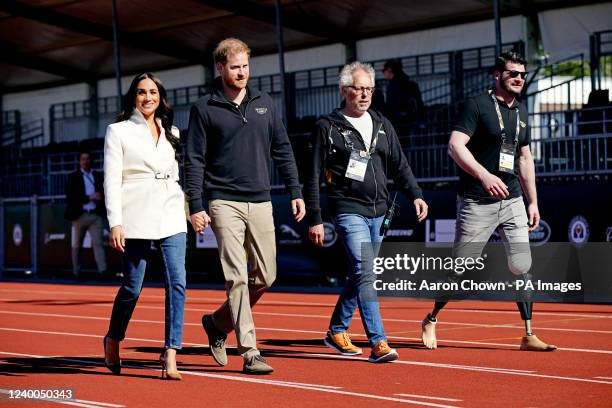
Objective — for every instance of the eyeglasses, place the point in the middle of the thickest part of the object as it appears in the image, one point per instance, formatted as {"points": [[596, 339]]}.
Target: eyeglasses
{"points": [[514, 74], [362, 90]]}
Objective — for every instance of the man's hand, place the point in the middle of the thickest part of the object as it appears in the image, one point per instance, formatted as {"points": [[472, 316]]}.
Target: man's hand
{"points": [[421, 209], [97, 196], [494, 186], [199, 221], [533, 216], [298, 209], [117, 238], [316, 234]]}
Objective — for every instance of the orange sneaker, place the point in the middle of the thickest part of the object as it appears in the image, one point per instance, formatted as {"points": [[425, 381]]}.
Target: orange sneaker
{"points": [[341, 342], [381, 353]]}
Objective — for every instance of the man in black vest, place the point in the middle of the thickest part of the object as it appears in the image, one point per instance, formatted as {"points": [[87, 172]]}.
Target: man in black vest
{"points": [[85, 208]]}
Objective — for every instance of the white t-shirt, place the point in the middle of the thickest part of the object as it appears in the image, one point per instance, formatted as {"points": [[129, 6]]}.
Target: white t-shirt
{"points": [[364, 126]]}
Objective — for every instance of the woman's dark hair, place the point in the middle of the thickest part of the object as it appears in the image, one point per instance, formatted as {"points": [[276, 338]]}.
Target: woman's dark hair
{"points": [[163, 111]]}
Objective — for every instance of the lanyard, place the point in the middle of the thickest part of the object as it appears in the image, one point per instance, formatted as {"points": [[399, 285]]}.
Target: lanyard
{"points": [[501, 121], [349, 143]]}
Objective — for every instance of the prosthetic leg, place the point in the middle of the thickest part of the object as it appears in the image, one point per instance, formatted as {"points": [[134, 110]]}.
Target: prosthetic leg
{"points": [[530, 341]]}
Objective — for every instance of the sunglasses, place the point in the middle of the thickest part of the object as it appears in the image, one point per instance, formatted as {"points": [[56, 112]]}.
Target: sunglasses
{"points": [[514, 74]]}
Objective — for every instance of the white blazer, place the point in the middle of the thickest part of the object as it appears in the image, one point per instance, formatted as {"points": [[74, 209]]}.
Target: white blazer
{"points": [[141, 186]]}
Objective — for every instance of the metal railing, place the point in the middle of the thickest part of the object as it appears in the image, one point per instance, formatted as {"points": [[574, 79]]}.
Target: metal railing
{"points": [[558, 86], [572, 142], [444, 78], [11, 128], [601, 59], [78, 120]]}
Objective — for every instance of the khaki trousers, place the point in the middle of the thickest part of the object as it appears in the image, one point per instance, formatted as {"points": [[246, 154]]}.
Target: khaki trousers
{"points": [[247, 247], [95, 225]]}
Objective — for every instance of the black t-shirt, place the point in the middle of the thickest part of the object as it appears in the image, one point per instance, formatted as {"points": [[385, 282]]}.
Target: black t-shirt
{"points": [[479, 121]]}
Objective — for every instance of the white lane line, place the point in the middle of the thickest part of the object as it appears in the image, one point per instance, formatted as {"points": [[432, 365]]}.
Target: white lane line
{"points": [[474, 325], [535, 312], [420, 363], [471, 368], [305, 387], [326, 317], [100, 404], [604, 378], [418, 339], [281, 302], [73, 402], [485, 343], [417, 363], [95, 336], [146, 296], [288, 384], [429, 397], [315, 332]]}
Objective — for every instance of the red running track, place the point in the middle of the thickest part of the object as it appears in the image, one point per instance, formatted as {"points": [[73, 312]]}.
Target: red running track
{"points": [[51, 338]]}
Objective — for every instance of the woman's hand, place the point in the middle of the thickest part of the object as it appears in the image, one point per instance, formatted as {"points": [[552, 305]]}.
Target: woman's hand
{"points": [[117, 239]]}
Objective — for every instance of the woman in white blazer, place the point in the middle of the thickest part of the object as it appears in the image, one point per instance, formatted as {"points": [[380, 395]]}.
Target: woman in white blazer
{"points": [[145, 203]]}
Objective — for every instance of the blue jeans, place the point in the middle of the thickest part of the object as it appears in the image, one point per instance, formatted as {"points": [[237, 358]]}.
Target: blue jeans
{"points": [[134, 260], [358, 291]]}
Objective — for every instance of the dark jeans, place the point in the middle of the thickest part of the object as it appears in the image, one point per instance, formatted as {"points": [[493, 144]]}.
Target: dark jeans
{"points": [[135, 264]]}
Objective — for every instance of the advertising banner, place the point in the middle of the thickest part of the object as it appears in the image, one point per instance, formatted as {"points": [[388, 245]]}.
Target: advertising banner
{"points": [[17, 235]]}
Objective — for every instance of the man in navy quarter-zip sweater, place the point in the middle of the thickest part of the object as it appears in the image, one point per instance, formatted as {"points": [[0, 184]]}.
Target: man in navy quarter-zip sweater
{"points": [[234, 133], [356, 150]]}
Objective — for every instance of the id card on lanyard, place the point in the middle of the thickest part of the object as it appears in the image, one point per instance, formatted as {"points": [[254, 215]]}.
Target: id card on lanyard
{"points": [[358, 162], [507, 151], [357, 165]]}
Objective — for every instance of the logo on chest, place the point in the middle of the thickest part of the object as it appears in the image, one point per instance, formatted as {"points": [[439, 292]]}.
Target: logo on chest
{"points": [[261, 111]]}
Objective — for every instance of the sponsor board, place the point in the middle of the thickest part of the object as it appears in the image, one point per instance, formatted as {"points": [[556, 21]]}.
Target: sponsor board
{"points": [[541, 234], [330, 235], [443, 231], [54, 237], [578, 230], [399, 233], [17, 235], [288, 236]]}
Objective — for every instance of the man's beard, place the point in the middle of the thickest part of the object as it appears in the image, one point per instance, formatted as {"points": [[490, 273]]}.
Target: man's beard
{"points": [[511, 91], [235, 85]]}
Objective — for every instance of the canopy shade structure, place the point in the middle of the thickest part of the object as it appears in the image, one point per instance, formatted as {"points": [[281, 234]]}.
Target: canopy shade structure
{"points": [[54, 42]]}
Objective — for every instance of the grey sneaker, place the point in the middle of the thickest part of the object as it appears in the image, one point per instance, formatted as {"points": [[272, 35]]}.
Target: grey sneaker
{"points": [[216, 340], [256, 365]]}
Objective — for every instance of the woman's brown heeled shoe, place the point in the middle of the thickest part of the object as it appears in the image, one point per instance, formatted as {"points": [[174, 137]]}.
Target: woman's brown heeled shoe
{"points": [[173, 373], [114, 368]]}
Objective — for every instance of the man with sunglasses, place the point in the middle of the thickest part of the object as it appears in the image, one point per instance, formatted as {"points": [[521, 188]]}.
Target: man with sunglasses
{"points": [[356, 150], [490, 144]]}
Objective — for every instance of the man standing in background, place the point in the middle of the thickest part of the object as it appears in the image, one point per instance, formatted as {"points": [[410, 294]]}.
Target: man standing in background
{"points": [[85, 208]]}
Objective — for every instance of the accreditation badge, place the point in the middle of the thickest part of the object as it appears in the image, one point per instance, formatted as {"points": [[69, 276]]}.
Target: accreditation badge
{"points": [[357, 165], [506, 158]]}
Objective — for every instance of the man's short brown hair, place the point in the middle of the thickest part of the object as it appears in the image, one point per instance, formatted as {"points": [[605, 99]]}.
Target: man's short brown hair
{"points": [[227, 47]]}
